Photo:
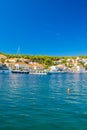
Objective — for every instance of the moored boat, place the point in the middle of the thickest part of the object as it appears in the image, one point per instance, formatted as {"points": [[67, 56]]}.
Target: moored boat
{"points": [[38, 73], [4, 69], [20, 71]]}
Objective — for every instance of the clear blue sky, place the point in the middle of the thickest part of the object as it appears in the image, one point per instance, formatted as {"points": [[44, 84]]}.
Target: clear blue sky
{"points": [[49, 27]]}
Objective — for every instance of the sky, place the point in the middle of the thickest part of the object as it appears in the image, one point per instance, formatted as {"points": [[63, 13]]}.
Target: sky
{"points": [[43, 27]]}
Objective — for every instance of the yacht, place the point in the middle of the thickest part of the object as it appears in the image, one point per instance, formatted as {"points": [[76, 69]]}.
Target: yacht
{"points": [[4, 69], [38, 73], [20, 71]]}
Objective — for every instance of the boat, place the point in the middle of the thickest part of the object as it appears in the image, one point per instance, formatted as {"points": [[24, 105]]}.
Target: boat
{"points": [[20, 71], [4, 69], [38, 73], [56, 72]]}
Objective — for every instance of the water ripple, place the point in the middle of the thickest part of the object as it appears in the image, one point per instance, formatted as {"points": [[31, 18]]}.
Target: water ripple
{"points": [[42, 102]]}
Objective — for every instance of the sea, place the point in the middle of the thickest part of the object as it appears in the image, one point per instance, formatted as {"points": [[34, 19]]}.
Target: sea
{"points": [[42, 102]]}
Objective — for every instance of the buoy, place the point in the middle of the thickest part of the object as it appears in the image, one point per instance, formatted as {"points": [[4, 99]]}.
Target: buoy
{"points": [[68, 90]]}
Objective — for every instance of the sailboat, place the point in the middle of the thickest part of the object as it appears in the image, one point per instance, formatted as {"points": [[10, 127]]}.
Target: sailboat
{"points": [[19, 69]]}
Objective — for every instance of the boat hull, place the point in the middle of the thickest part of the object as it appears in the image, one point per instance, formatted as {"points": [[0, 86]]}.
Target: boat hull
{"points": [[5, 71], [20, 72]]}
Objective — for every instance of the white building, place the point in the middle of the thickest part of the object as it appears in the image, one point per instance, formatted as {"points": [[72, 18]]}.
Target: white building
{"points": [[57, 68], [53, 68], [80, 69]]}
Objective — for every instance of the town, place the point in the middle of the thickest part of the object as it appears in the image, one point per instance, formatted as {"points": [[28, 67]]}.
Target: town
{"points": [[42, 64]]}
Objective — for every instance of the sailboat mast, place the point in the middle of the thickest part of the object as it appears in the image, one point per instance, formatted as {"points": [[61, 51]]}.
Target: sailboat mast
{"points": [[18, 53]]}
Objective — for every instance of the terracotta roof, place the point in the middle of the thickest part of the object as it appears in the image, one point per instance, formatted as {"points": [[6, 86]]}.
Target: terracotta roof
{"points": [[20, 63], [36, 64], [61, 66], [13, 59]]}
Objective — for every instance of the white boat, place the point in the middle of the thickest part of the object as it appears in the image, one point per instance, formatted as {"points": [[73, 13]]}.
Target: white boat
{"points": [[38, 73], [4, 69], [55, 72]]}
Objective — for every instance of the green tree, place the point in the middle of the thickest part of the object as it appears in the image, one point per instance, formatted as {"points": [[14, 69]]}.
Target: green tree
{"points": [[48, 62], [2, 60]]}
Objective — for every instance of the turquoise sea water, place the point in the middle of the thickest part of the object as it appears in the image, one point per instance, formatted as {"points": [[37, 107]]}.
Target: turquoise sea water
{"points": [[34, 102]]}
